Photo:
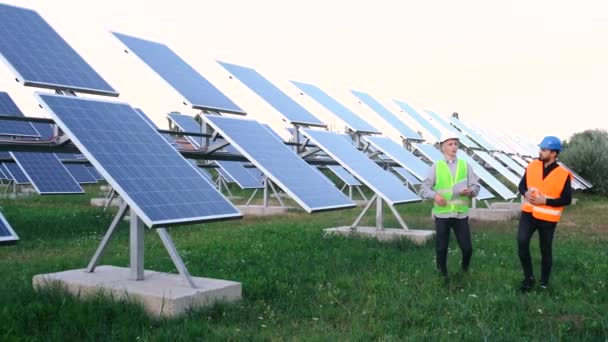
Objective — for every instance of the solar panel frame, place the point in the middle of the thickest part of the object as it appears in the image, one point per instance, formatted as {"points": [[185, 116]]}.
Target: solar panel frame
{"points": [[403, 173], [385, 184], [344, 175], [94, 172], [498, 167], [181, 76], [80, 173], [400, 155], [178, 187], [513, 165], [239, 174], [353, 121], [252, 132], [8, 107], [291, 110], [46, 173], [17, 175], [41, 58], [404, 130], [7, 234]]}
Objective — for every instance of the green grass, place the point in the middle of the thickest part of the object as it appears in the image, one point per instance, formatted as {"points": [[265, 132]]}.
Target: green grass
{"points": [[298, 285]]}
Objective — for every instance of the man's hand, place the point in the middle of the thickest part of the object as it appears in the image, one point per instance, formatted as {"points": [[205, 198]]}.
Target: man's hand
{"points": [[536, 200], [440, 200], [466, 192]]}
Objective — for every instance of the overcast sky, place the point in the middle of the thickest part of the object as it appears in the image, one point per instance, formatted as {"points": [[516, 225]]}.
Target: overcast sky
{"points": [[527, 67]]}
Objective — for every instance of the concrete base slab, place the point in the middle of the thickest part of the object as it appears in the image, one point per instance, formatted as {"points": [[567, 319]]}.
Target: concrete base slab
{"points": [[258, 210], [360, 203], [515, 206], [485, 214], [102, 202], [161, 294], [104, 188], [574, 200], [419, 237]]}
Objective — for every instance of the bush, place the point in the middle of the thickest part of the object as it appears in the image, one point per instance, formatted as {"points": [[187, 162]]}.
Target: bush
{"points": [[586, 153]]}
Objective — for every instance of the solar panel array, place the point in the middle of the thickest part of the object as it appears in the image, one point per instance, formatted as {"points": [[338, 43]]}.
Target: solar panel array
{"points": [[187, 124], [412, 113], [478, 138], [404, 130], [41, 58], [239, 174], [80, 173], [498, 167], [94, 172], [400, 155], [14, 128], [46, 173], [155, 180], [290, 109], [197, 90], [344, 175], [403, 173], [352, 120], [441, 123], [283, 166], [386, 185], [16, 174], [7, 234], [511, 163]]}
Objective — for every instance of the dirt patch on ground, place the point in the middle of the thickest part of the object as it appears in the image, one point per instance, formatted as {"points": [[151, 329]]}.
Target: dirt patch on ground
{"points": [[577, 321]]}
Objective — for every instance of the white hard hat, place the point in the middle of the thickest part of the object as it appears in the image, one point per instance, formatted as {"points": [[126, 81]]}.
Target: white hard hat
{"points": [[448, 136]]}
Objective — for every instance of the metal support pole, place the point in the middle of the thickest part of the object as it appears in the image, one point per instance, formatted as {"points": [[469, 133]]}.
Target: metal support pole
{"points": [[276, 193], [379, 213], [177, 260], [398, 217], [106, 238], [353, 227], [251, 197], [361, 193], [136, 249], [265, 192], [350, 192]]}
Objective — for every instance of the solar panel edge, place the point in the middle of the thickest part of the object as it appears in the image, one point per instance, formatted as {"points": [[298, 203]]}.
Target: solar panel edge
{"points": [[36, 186], [12, 237]]}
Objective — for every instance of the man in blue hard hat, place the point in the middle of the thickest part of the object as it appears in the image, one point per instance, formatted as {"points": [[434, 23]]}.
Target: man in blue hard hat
{"points": [[546, 189]]}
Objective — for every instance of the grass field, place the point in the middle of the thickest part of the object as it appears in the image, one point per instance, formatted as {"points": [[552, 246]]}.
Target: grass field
{"points": [[298, 285]]}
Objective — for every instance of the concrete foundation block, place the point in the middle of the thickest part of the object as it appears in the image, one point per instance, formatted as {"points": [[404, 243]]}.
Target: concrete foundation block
{"points": [[259, 210], [485, 214], [160, 294], [419, 237], [506, 205], [102, 202]]}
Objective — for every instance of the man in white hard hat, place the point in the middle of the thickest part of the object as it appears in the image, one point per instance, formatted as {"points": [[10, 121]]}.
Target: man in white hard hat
{"points": [[450, 184]]}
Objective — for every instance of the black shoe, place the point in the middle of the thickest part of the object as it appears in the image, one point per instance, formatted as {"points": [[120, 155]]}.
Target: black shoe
{"points": [[544, 285], [526, 285]]}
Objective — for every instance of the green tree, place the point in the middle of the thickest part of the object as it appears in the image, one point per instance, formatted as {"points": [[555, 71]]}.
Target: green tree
{"points": [[587, 154]]}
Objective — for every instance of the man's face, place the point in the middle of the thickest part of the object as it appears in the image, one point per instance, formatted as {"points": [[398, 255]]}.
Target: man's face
{"points": [[450, 147], [545, 155]]}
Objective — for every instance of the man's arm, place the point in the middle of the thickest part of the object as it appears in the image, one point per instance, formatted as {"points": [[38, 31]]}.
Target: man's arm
{"points": [[523, 186], [426, 190], [472, 182], [565, 198]]}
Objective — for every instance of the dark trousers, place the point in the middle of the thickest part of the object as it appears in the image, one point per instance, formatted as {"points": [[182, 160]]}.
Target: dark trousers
{"points": [[463, 236], [526, 228]]}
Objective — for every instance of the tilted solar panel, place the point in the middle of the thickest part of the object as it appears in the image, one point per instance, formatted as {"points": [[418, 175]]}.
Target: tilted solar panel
{"points": [[196, 89], [400, 155], [403, 173], [404, 130], [239, 174], [14, 128], [46, 173], [412, 113], [478, 138], [160, 185], [80, 173], [7, 234], [187, 123], [442, 123], [344, 175], [518, 169], [290, 109], [386, 185], [308, 187], [16, 174], [41, 58], [498, 167]]}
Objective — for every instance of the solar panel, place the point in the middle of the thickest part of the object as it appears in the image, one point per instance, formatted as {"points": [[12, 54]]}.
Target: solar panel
{"points": [[187, 124], [7, 234], [225, 175], [80, 173], [46, 173], [196, 89], [160, 185], [202, 171], [239, 174], [344, 175], [283, 166], [41, 58], [478, 138], [2, 175], [404, 130], [441, 123], [16, 174], [292, 111], [433, 154], [167, 137], [498, 167], [412, 113], [403, 173], [94, 172], [576, 176], [510, 163], [386, 185], [352, 120], [14, 128], [400, 155]]}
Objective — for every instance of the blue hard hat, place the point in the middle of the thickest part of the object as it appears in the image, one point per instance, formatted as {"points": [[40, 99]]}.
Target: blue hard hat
{"points": [[551, 143]]}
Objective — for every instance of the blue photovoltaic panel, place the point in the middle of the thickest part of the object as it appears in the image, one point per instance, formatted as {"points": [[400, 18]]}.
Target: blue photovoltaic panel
{"points": [[224, 175], [386, 185], [307, 186], [6, 175], [478, 138], [16, 174], [188, 124], [45, 130], [160, 185], [498, 167], [440, 122], [46, 173], [290, 109], [412, 113], [197, 90], [400, 155], [203, 172], [167, 137], [433, 154], [238, 172], [518, 169], [352, 120], [2, 175], [41, 58], [576, 176], [257, 174], [80, 173], [7, 234], [94, 172], [487, 177], [403, 173], [344, 175], [404, 130], [14, 128]]}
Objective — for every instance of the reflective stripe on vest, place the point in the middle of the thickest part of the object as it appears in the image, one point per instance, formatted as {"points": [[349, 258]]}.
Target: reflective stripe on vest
{"points": [[551, 187], [444, 184]]}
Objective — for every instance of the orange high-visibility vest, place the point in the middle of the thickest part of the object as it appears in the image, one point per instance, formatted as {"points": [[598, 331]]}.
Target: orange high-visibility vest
{"points": [[551, 187]]}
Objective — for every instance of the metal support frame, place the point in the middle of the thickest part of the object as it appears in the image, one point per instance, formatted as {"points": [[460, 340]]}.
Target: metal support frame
{"points": [[136, 250], [379, 214], [350, 191], [223, 184]]}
